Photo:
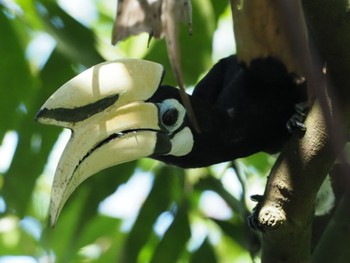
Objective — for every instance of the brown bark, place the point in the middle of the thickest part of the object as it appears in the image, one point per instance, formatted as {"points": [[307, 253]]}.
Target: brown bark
{"points": [[265, 28]]}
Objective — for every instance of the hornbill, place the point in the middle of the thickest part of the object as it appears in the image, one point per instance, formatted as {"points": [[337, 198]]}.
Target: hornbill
{"points": [[118, 111]]}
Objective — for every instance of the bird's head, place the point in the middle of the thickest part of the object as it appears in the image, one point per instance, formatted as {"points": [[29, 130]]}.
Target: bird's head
{"points": [[117, 112]]}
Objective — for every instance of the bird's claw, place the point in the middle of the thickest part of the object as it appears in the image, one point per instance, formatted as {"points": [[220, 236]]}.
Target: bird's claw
{"points": [[296, 122], [253, 221]]}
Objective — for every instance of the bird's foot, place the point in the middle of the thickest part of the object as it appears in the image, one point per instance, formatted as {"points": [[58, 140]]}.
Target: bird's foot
{"points": [[296, 122], [253, 221]]}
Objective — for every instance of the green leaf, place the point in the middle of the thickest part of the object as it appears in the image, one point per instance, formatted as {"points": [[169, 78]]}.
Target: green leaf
{"points": [[74, 40], [175, 238], [63, 238], [219, 7], [81, 209], [158, 201], [262, 162], [211, 183], [101, 186], [102, 232], [35, 141], [15, 240], [16, 82], [241, 233], [204, 254]]}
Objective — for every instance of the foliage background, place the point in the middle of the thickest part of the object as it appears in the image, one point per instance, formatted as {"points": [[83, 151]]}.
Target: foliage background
{"points": [[196, 215]]}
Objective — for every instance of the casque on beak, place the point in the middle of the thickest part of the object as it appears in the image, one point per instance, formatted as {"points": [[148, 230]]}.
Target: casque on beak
{"points": [[107, 111]]}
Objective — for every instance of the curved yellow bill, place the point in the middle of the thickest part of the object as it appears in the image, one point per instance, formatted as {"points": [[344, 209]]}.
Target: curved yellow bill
{"points": [[110, 121], [110, 83]]}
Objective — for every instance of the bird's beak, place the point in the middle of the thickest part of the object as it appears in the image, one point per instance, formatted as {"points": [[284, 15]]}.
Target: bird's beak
{"points": [[111, 122]]}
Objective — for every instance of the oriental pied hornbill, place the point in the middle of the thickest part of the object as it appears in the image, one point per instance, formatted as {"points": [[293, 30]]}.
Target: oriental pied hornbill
{"points": [[118, 111]]}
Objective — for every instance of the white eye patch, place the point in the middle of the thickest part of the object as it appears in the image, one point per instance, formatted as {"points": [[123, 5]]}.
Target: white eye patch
{"points": [[172, 114], [182, 142]]}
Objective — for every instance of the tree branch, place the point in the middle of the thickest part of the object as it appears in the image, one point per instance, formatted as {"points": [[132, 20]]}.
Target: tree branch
{"points": [[260, 32], [288, 206], [286, 211]]}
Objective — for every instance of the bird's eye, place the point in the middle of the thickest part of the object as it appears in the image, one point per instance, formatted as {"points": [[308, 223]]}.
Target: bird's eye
{"points": [[170, 117], [171, 114]]}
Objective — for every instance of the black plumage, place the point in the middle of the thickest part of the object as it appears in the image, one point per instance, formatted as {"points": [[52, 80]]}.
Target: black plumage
{"points": [[241, 110]]}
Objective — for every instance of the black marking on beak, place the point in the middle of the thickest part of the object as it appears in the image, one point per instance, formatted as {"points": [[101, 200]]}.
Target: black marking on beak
{"points": [[116, 136], [79, 113], [163, 145]]}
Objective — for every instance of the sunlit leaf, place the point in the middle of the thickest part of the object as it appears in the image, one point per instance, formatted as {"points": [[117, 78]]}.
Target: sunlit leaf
{"points": [[74, 40], [175, 238], [262, 162], [101, 240], [15, 240], [102, 185], [211, 183], [219, 7], [158, 201]]}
